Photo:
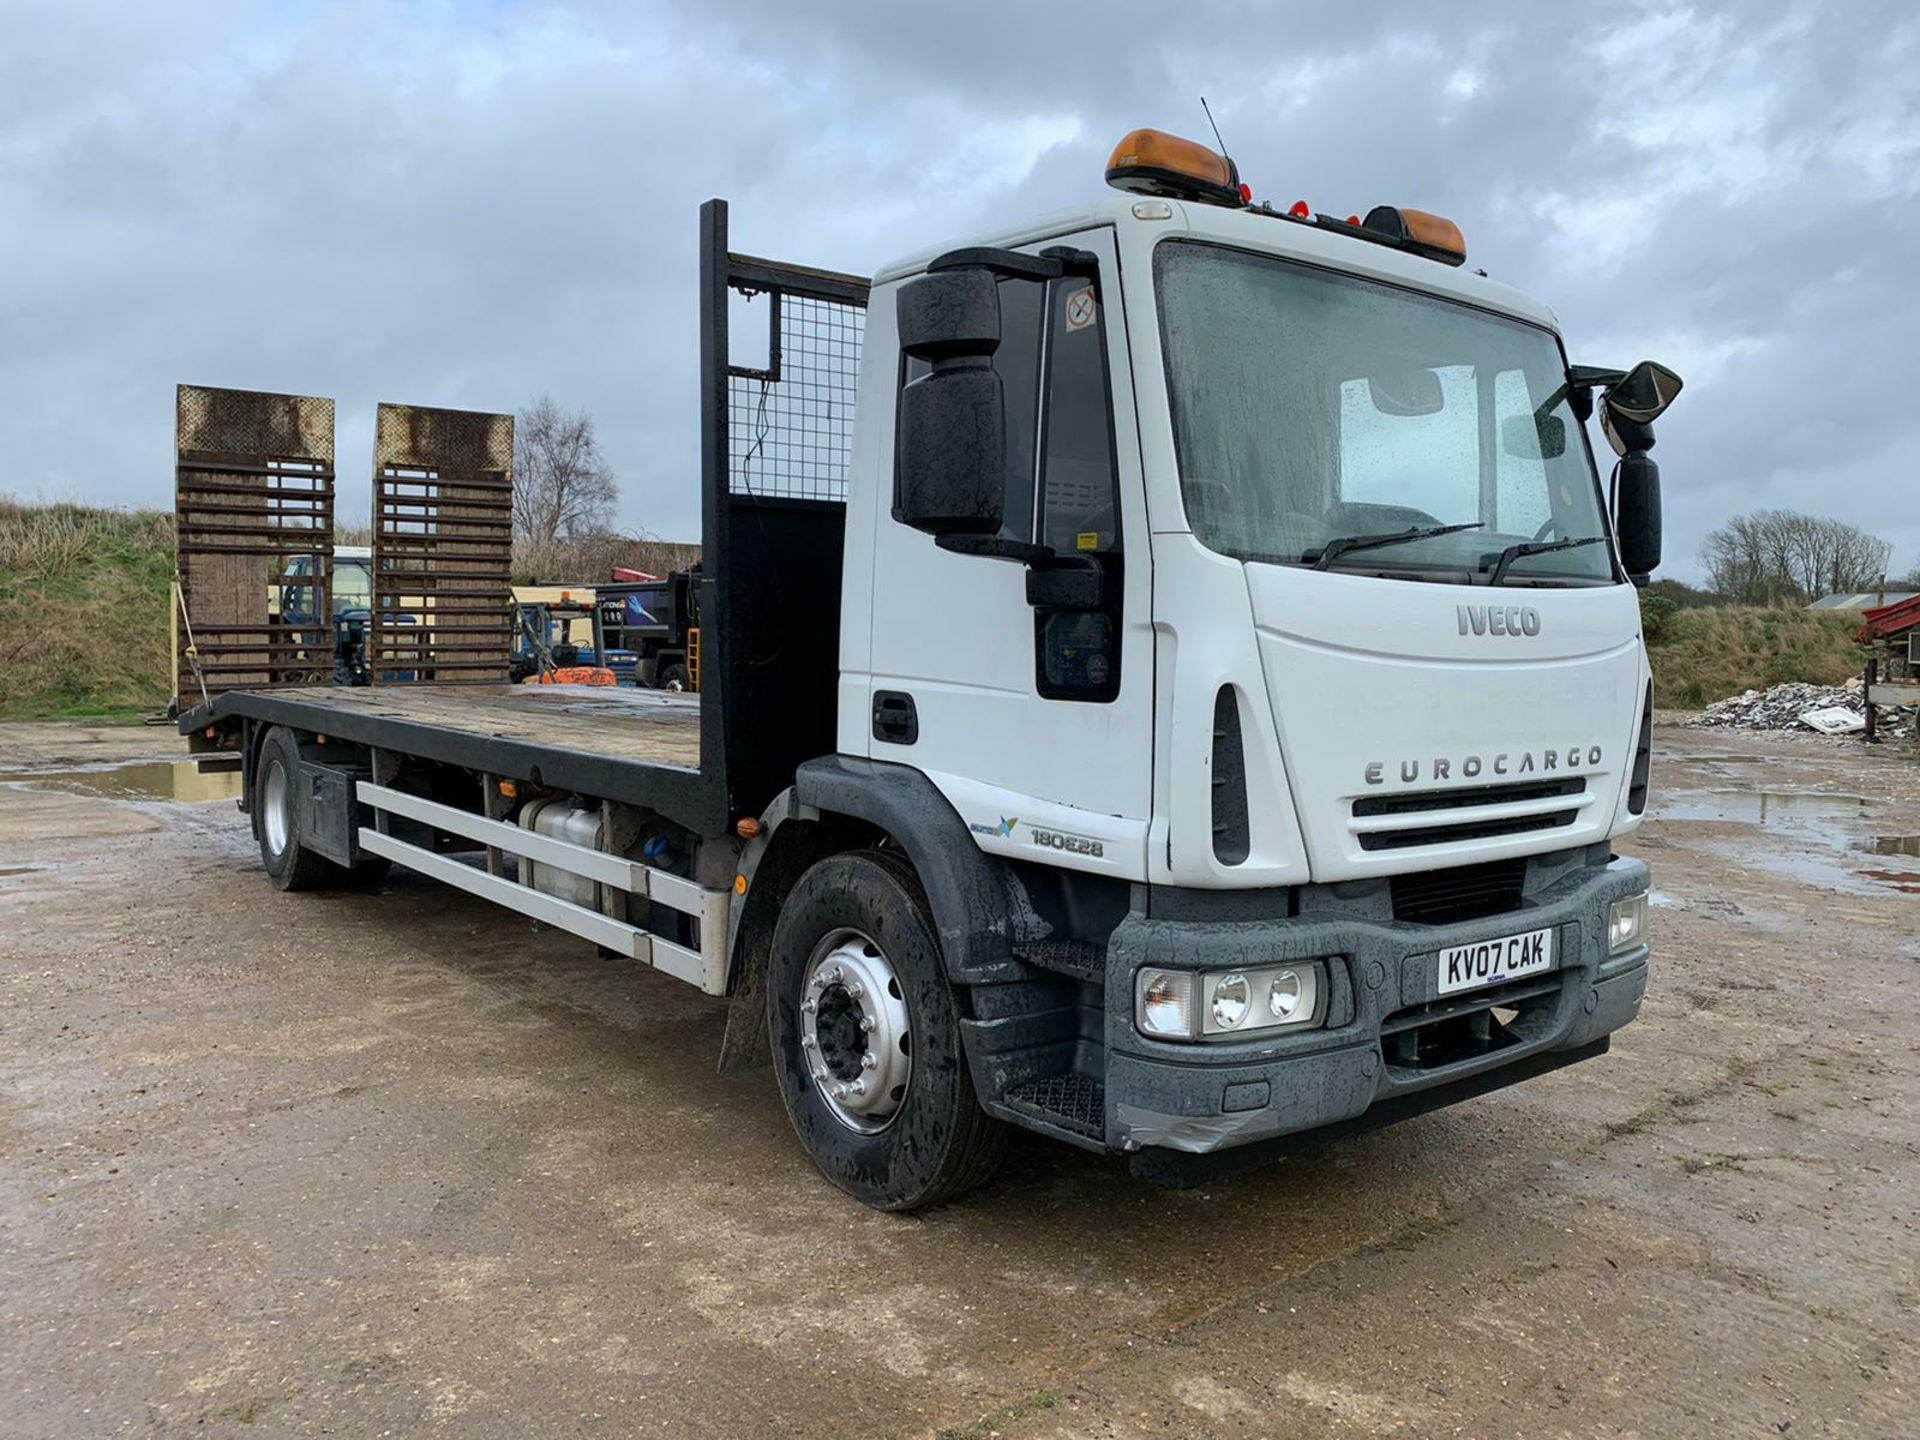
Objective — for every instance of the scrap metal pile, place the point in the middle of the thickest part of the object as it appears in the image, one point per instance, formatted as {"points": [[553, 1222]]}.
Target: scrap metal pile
{"points": [[1786, 707]]}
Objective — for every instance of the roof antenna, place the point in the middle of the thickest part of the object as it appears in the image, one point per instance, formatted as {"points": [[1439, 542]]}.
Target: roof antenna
{"points": [[1233, 170], [1216, 129]]}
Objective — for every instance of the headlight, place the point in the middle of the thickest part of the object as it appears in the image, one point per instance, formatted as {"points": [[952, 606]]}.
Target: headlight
{"points": [[1217, 1004], [1283, 995], [1627, 924], [1230, 996]]}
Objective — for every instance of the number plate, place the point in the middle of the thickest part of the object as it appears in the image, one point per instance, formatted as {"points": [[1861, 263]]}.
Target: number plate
{"points": [[1494, 962]]}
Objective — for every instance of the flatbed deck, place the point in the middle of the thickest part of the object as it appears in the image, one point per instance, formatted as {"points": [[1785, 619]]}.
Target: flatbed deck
{"points": [[637, 746]]}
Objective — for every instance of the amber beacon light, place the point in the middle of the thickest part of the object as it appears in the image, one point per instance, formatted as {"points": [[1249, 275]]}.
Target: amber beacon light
{"points": [[1152, 162], [1433, 236]]}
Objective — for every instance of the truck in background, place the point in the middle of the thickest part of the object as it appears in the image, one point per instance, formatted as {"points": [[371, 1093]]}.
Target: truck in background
{"points": [[657, 621], [1186, 708]]}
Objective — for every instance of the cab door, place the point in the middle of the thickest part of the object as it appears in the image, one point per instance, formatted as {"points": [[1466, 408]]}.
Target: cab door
{"points": [[1035, 720]]}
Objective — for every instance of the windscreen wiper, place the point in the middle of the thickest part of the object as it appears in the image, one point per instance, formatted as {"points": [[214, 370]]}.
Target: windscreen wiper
{"points": [[1347, 544], [1536, 547]]}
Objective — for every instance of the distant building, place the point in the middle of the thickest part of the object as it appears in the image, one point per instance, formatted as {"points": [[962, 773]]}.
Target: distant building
{"points": [[1863, 599]]}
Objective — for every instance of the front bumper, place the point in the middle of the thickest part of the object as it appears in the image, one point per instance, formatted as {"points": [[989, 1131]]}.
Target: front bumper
{"points": [[1389, 1038]]}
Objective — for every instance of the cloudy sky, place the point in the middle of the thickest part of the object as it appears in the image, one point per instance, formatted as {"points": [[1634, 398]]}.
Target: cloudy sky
{"points": [[472, 204]]}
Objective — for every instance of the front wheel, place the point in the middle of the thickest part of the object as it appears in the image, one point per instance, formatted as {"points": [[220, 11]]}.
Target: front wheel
{"points": [[866, 1038]]}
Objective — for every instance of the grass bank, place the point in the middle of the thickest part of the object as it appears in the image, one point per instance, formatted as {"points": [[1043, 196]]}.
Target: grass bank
{"points": [[1707, 654], [83, 611]]}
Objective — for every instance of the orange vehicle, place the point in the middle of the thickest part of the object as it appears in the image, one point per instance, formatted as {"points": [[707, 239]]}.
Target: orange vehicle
{"points": [[546, 648], [574, 675]]}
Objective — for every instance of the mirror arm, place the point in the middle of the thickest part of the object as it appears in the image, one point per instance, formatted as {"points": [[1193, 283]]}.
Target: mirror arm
{"points": [[1055, 263]]}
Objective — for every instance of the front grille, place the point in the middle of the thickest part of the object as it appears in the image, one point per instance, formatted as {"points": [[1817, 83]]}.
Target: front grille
{"points": [[1470, 892], [1471, 830], [1461, 799], [1466, 1027], [1451, 824]]}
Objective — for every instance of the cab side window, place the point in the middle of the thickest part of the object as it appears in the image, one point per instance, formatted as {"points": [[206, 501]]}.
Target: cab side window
{"points": [[1079, 509]]}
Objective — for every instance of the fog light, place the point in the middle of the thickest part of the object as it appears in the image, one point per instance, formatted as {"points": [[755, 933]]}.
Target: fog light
{"points": [[1627, 924], [1283, 996], [1231, 994], [1165, 1006]]}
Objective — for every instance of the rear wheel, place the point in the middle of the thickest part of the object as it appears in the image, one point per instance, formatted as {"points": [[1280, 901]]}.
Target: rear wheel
{"points": [[866, 1038], [674, 677], [276, 818]]}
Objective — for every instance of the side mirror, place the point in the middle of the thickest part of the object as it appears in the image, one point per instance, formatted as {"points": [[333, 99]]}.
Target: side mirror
{"points": [[1644, 394], [951, 460], [1533, 436], [1409, 392], [1636, 515]]}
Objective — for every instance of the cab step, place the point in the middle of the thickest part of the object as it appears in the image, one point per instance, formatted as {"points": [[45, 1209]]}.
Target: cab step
{"points": [[1073, 1102], [1082, 959]]}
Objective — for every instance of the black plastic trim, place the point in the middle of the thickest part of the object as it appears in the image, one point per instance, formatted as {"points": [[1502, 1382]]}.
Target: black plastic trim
{"points": [[1642, 759], [1232, 837], [1180, 1170]]}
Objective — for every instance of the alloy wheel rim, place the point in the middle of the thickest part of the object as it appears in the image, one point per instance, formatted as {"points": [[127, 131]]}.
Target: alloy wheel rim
{"points": [[855, 1031], [273, 807]]}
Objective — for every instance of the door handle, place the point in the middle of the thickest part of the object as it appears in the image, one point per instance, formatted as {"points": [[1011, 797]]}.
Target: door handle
{"points": [[894, 718]]}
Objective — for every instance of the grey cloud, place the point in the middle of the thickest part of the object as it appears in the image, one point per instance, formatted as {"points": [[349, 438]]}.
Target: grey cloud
{"points": [[471, 206]]}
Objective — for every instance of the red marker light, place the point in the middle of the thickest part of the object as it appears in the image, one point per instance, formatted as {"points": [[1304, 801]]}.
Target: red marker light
{"points": [[1300, 210], [1246, 193], [1353, 219]]}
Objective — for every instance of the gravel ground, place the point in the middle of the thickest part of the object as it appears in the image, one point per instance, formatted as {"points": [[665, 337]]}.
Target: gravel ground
{"points": [[398, 1164]]}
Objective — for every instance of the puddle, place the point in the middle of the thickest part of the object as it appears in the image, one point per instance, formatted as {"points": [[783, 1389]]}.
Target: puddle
{"points": [[178, 780], [1828, 820], [1774, 809]]}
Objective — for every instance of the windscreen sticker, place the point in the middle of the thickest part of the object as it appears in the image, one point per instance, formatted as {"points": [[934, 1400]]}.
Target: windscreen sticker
{"points": [[1081, 309]]}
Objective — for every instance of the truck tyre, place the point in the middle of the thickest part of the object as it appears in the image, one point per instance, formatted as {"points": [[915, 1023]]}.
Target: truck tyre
{"points": [[865, 1036], [674, 677], [276, 818]]}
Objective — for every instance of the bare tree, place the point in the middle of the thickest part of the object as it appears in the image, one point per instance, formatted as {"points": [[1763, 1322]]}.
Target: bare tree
{"points": [[1773, 557], [562, 485]]}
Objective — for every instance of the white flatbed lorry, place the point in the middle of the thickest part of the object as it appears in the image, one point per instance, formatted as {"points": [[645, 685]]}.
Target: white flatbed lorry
{"points": [[1186, 707]]}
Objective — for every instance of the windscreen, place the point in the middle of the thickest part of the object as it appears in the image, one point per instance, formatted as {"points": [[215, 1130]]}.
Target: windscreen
{"points": [[1311, 407], [352, 586]]}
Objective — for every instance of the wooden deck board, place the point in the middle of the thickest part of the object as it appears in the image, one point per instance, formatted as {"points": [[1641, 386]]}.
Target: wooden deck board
{"points": [[620, 722]]}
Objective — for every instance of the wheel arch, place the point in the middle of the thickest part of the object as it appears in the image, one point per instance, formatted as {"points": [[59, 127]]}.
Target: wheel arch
{"points": [[841, 803], [965, 889]]}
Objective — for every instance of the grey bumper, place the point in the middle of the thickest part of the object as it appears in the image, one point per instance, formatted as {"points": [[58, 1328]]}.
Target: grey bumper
{"points": [[1205, 1097]]}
